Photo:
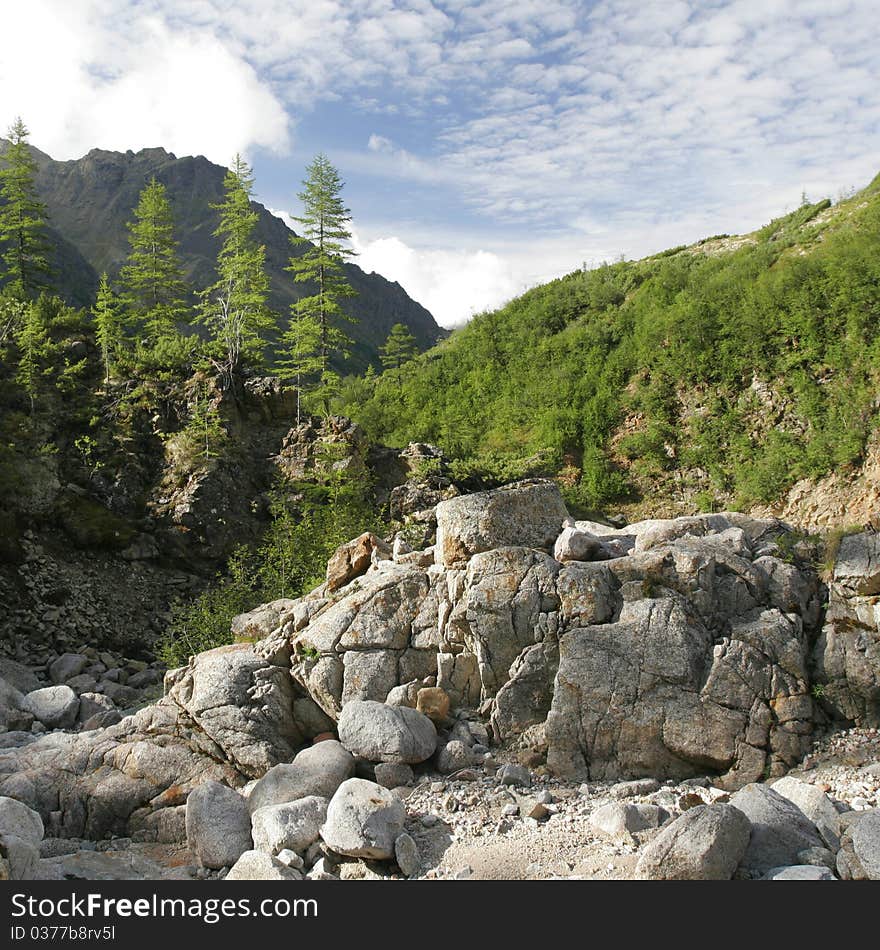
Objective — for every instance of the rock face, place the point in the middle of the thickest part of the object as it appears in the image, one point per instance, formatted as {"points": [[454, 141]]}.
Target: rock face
{"points": [[363, 820], [847, 654], [218, 825], [705, 843]]}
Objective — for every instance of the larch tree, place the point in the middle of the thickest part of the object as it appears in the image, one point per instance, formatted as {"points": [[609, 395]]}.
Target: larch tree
{"points": [[32, 340], [325, 235], [234, 308], [22, 216], [397, 350], [108, 325], [152, 279], [299, 355]]}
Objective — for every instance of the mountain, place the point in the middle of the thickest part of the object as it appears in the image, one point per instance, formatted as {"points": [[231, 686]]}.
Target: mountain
{"points": [[91, 199], [730, 372]]}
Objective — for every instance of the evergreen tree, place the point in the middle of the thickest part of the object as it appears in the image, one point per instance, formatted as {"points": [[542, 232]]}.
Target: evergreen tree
{"points": [[323, 221], [398, 349], [33, 343], [299, 359], [234, 308], [22, 216], [108, 325], [152, 280], [205, 430]]}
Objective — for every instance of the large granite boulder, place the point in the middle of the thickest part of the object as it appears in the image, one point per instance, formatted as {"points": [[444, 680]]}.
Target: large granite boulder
{"points": [[363, 820], [218, 825], [316, 771], [381, 733]]}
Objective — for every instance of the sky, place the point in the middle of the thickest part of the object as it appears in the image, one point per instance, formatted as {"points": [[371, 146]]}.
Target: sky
{"points": [[485, 146]]}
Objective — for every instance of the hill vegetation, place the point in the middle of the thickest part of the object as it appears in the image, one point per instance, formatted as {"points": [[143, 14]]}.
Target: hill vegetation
{"points": [[717, 374]]}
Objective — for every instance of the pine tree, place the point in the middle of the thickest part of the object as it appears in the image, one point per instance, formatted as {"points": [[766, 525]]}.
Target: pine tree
{"points": [[205, 427], [299, 356], [234, 308], [323, 221], [108, 325], [398, 349], [22, 217], [152, 280], [33, 342]]}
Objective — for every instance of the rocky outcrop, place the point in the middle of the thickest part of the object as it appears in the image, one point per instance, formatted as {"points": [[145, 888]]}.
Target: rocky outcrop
{"points": [[663, 648], [847, 654]]}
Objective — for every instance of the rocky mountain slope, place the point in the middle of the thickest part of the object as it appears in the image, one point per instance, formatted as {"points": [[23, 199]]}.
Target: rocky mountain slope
{"points": [[518, 669], [91, 199]]}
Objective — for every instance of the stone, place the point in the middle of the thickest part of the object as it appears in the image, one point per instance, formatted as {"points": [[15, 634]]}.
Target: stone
{"points": [[67, 666], [859, 855], [363, 820], [218, 825], [821, 857], [620, 818], [55, 706], [92, 704], [523, 514], [512, 774], [705, 843], [433, 701], [406, 854], [381, 733], [290, 859], [18, 676], [643, 786], [455, 755], [815, 804], [290, 825], [577, 545], [17, 819], [352, 559], [799, 872], [259, 866], [318, 770], [393, 774], [780, 830]]}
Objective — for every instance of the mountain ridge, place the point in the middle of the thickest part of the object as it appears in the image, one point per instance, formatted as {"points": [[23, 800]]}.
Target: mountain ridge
{"points": [[91, 199]]}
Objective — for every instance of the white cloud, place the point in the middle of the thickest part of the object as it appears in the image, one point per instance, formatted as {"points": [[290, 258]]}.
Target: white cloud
{"points": [[81, 84], [452, 284]]}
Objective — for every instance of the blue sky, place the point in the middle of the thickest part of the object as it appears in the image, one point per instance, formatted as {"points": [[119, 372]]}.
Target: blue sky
{"points": [[486, 146]]}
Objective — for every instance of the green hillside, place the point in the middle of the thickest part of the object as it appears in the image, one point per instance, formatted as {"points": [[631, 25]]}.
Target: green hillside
{"points": [[715, 374]]}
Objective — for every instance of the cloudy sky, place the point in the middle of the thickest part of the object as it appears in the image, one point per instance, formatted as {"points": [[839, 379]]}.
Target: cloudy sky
{"points": [[486, 145]]}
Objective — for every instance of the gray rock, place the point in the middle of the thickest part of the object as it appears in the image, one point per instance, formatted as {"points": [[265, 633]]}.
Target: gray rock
{"points": [[574, 544], [55, 706], [527, 515], [18, 676], [317, 770], [815, 804], [406, 853], [455, 755], [512, 774], [821, 857], [383, 733], [91, 704], [21, 831], [259, 866], [705, 843], [290, 859], [17, 819], [218, 825], [290, 825], [780, 830], [363, 820], [67, 666], [799, 872], [393, 774], [619, 818], [859, 855], [642, 786]]}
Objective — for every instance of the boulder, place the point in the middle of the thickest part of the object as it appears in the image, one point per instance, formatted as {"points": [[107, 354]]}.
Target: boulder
{"points": [[352, 559], [316, 771], [524, 514], [799, 872], [381, 733], [780, 830], [576, 545], [512, 774], [618, 819], [455, 755], [705, 843], [815, 804], [55, 706], [859, 855], [259, 866], [21, 831], [218, 825], [406, 854], [363, 820], [393, 774], [291, 825], [67, 666], [434, 703]]}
